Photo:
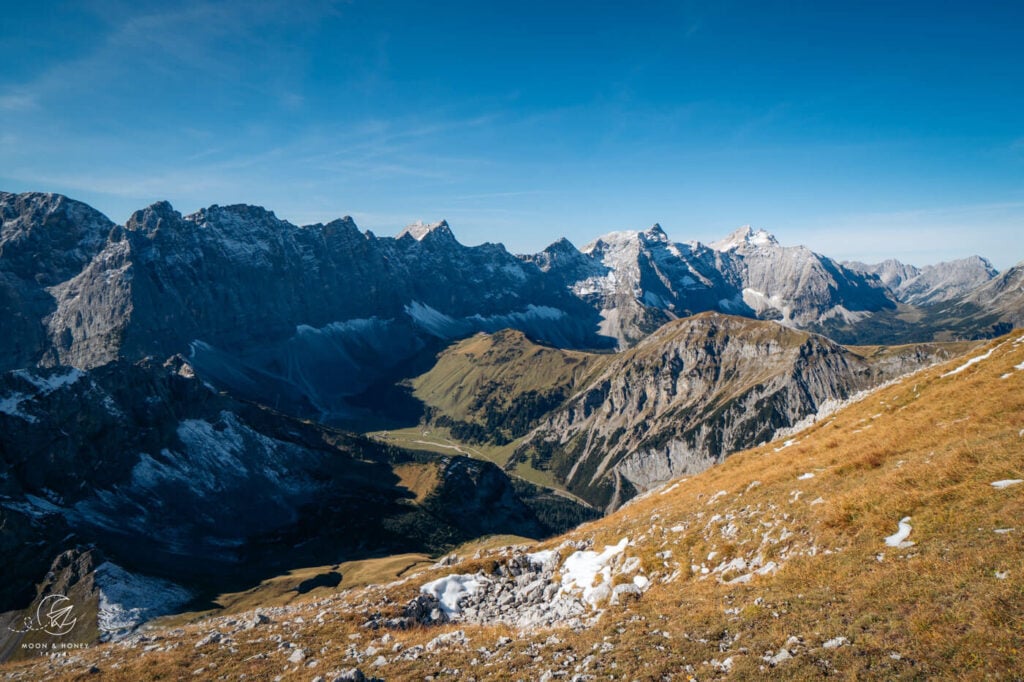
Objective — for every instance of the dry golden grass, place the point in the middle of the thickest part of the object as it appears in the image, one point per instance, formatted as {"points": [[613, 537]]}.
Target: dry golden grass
{"points": [[928, 447], [419, 479]]}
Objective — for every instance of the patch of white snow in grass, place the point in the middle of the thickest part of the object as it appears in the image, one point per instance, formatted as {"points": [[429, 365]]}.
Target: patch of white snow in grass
{"points": [[1002, 531], [898, 538], [582, 567], [804, 477], [450, 590], [717, 496], [669, 489], [972, 361], [1006, 483]]}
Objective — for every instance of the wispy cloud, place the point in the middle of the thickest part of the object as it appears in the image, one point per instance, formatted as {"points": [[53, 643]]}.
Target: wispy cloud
{"points": [[15, 101], [174, 41]]}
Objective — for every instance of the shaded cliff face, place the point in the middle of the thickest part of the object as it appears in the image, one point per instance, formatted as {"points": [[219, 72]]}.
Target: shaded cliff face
{"points": [[692, 393], [45, 239], [239, 279]]}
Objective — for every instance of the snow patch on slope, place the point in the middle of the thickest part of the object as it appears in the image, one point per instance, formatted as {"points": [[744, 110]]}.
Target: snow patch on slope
{"points": [[582, 567], [11, 404], [972, 361], [127, 600], [450, 590], [898, 539], [1006, 483], [447, 327]]}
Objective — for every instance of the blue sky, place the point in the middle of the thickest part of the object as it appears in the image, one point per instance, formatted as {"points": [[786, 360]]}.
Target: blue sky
{"points": [[862, 129]]}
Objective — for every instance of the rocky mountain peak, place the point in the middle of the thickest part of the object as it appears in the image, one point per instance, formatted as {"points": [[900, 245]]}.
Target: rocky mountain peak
{"points": [[344, 228], [153, 217], [891, 272], [239, 216], [977, 263], [655, 234], [745, 236], [48, 237], [563, 245], [434, 231], [562, 253]]}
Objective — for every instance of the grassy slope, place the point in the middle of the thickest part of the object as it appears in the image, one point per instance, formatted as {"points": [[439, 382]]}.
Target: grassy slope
{"points": [[928, 447], [490, 372], [506, 360]]}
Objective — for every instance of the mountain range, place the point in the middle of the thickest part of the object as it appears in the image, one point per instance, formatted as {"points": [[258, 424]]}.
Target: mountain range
{"points": [[185, 398]]}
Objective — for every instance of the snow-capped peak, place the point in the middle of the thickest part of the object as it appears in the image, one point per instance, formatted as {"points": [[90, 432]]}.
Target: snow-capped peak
{"points": [[655, 233], [624, 238], [419, 230], [611, 239], [742, 236]]}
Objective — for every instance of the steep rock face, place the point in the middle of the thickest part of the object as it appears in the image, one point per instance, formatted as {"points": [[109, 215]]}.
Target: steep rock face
{"points": [[795, 285], [637, 280], [693, 392], [45, 240], [932, 283]]}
